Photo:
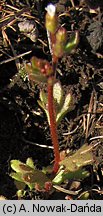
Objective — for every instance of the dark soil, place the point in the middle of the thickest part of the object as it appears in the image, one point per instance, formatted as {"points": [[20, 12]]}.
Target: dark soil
{"points": [[22, 122]]}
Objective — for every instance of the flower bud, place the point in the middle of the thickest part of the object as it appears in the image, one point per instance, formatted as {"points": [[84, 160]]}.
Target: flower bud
{"points": [[41, 66], [46, 68], [61, 35], [61, 38], [51, 20]]}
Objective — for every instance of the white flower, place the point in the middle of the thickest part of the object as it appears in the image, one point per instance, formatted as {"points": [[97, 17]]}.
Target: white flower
{"points": [[51, 9]]}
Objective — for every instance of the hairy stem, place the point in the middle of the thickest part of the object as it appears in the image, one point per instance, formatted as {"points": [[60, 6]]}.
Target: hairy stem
{"points": [[53, 126]]}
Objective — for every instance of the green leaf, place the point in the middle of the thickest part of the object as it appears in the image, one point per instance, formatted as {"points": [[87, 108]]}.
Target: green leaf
{"points": [[21, 193], [62, 105], [58, 96], [20, 167], [73, 167], [65, 108], [72, 44], [36, 77], [43, 103], [83, 157], [17, 176], [30, 163], [35, 74], [37, 176], [75, 175], [43, 98], [58, 178]]}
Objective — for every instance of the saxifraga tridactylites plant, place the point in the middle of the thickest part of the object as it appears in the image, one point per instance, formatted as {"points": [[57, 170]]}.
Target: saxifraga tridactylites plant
{"points": [[55, 105], [40, 70]]}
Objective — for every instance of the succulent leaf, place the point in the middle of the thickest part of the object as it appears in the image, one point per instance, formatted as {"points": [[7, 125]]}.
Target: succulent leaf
{"points": [[35, 75], [30, 163], [27, 174], [37, 176], [62, 105], [43, 97], [58, 178], [58, 97], [65, 108], [74, 165], [17, 176], [69, 175], [20, 167], [83, 157], [72, 44]]}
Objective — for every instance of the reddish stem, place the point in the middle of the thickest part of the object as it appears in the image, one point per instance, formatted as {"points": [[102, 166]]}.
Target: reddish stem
{"points": [[53, 126]]}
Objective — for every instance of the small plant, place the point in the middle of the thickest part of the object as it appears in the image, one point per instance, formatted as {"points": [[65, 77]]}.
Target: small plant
{"points": [[56, 105], [27, 174], [71, 168], [39, 70]]}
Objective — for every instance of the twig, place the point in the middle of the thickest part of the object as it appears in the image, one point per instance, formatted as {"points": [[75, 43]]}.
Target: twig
{"points": [[16, 57], [88, 115], [96, 137], [66, 191], [12, 7], [13, 17], [71, 132], [36, 144], [14, 52], [92, 108]]}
